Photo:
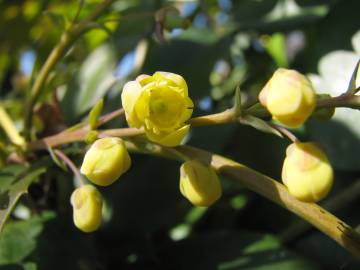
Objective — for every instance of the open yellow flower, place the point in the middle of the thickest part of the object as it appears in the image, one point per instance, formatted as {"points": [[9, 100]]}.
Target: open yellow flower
{"points": [[307, 172], [87, 208], [160, 104], [289, 97], [199, 183]]}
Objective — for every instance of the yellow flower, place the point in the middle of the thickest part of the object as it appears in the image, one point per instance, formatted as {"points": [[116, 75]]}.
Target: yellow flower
{"points": [[289, 97], [87, 205], [307, 172], [199, 183], [160, 104], [105, 161]]}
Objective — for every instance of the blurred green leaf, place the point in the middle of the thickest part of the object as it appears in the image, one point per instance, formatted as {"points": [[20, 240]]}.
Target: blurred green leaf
{"points": [[202, 36], [95, 113], [250, 11], [355, 41], [276, 47], [94, 79], [18, 240], [13, 184], [57, 19], [259, 124], [231, 250]]}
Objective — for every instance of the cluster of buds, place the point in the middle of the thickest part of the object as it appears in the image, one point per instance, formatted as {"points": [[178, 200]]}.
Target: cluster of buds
{"points": [[291, 100], [160, 105], [105, 161]]}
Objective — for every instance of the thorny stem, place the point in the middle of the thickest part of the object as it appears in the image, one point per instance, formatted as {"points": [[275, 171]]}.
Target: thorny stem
{"points": [[228, 116], [333, 204], [271, 189], [79, 135]]}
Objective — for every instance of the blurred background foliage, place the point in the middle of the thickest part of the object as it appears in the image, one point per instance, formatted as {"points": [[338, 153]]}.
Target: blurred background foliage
{"points": [[148, 225]]}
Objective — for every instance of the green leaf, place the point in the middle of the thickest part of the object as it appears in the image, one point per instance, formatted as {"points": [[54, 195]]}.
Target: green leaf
{"points": [[231, 250], [276, 47], [18, 239], [201, 36], [94, 79], [57, 19], [13, 184], [259, 124], [95, 113]]}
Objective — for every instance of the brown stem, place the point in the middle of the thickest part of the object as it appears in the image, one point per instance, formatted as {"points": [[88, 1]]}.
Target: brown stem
{"points": [[79, 135], [70, 164], [338, 201], [329, 224], [110, 116], [345, 101], [291, 136], [227, 116]]}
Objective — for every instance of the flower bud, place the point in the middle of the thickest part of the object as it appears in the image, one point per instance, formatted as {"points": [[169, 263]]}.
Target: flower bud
{"points": [[199, 183], [289, 97], [307, 172], [87, 205], [105, 161]]}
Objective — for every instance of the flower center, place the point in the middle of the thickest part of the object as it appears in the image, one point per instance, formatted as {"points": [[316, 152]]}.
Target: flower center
{"points": [[166, 107], [158, 106]]}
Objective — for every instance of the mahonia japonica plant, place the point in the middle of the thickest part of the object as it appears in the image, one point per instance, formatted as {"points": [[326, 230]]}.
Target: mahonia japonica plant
{"points": [[160, 106]]}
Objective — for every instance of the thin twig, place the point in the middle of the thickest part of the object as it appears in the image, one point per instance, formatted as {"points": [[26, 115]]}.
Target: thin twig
{"points": [[80, 135], [291, 136], [80, 6], [71, 165], [110, 116]]}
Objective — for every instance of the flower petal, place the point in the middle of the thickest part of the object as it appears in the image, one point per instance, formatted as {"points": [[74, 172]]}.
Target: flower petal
{"points": [[129, 96], [174, 79], [170, 140]]}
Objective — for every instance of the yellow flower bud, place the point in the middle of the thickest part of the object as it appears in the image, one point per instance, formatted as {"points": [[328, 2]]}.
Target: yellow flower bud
{"points": [[289, 97], [199, 183], [160, 104], [307, 172], [87, 205], [105, 161]]}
